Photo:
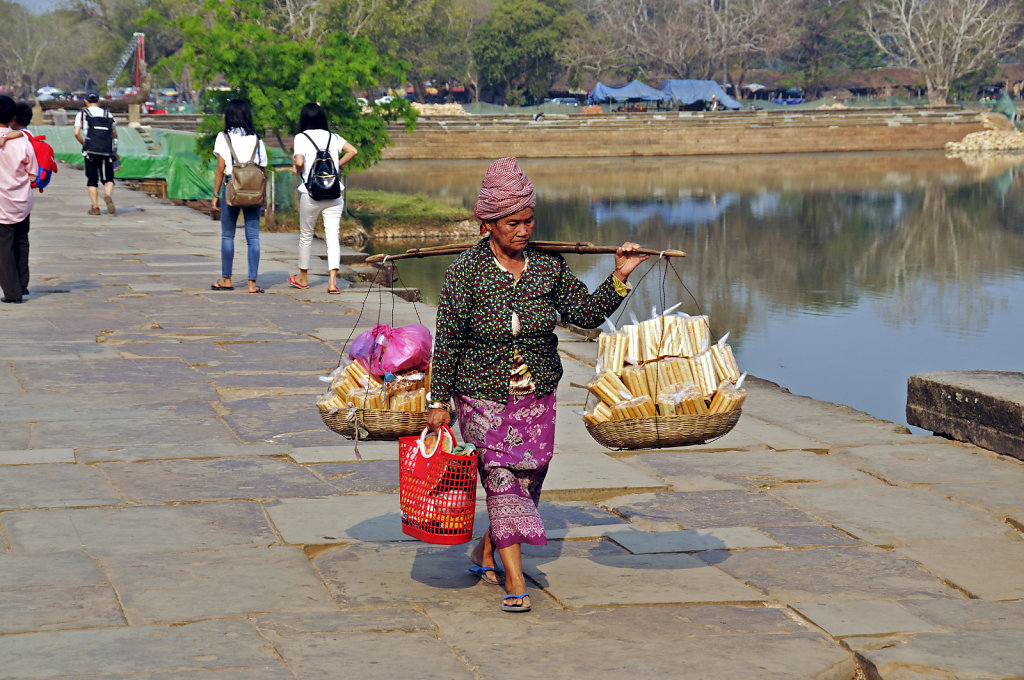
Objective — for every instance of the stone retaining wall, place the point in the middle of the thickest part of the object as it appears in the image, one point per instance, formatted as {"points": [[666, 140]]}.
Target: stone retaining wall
{"points": [[681, 134]]}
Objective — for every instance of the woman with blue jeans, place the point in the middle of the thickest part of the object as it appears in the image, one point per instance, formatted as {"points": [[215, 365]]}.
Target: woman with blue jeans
{"points": [[239, 134]]}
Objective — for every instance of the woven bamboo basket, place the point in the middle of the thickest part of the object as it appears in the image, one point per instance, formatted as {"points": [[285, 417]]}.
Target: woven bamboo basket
{"points": [[380, 424], [663, 431]]}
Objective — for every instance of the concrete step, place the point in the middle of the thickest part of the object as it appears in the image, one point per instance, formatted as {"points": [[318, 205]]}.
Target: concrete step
{"points": [[985, 408]]}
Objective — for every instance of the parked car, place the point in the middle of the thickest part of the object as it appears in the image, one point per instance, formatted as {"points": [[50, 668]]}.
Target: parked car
{"points": [[566, 101]]}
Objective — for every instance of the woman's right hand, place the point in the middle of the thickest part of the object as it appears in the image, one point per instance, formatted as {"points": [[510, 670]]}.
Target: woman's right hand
{"points": [[438, 417]]}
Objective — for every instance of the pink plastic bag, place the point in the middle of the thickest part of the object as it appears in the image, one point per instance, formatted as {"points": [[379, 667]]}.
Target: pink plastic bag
{"points": [[391, 350]]}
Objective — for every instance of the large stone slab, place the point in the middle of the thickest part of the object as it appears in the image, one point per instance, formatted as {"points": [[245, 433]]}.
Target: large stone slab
{"points": [[895, 515], [982, 407], [969, 614], [176, 588], [54, 486], [861, 617], [217, 479], [345, 452], [991, 569], [136, 529], [342, 519], [593, 476], [396, 655], [370, 575], [830, 574], [988, 655], [37, 456], [934, 461], [693, 540], [191, 451], [699, 641], [636, 579], [60, 590], [231, 647], [712, 509]]}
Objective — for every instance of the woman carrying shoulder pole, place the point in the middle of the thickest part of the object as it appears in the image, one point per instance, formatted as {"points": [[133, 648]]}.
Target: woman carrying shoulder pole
{"points": [[320, 190]]}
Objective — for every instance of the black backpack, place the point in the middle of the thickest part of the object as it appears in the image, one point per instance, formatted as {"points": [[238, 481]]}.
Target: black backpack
{"points": [[323, 182], [99, 133]]}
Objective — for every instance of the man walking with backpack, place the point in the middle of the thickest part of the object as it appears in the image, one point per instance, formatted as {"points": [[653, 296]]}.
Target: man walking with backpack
{"points": [[319, 156], [17, 170], [96, 131]]}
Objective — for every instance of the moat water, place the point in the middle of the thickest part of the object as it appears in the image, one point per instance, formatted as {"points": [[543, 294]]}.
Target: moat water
{"points": [[838, 276]]}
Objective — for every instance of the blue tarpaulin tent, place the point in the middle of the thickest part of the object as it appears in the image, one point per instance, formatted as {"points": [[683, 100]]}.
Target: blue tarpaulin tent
{"points": [[689, 91], [634, 90]]}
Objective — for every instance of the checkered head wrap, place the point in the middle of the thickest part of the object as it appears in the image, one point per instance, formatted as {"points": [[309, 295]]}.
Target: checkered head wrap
{"points": [[505, 190]]}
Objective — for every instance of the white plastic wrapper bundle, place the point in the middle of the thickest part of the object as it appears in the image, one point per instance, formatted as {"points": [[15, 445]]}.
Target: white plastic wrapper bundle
{"points": [[637, 407], [725, 362], [703, 368], [650, 332], [728, 397], [601, 413], [611, 351], [609, 388]]}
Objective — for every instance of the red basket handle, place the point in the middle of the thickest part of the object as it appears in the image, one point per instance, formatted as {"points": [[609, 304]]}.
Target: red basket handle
{"points": [[421, 445]]}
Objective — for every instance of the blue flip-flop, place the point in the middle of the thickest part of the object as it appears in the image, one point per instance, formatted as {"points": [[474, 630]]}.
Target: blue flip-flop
{"points": [[521, 607], [482, 574]]}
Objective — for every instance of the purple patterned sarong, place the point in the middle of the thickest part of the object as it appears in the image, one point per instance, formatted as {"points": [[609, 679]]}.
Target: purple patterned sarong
{"points": [[515, 442]]}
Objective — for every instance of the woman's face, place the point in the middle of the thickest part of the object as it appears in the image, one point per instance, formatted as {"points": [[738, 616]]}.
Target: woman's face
{"points": [[512, 233]]}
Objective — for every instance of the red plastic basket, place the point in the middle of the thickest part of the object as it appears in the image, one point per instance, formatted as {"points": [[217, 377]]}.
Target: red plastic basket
{"points": [[437, 490]]}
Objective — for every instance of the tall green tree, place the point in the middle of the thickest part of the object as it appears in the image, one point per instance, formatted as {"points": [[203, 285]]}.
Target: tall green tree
{"points": [[830, 39], [517, 46], [238, 43]]}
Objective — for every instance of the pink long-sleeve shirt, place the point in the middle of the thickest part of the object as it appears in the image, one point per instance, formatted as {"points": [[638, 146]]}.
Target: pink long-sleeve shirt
{"points": [[17, 170]]}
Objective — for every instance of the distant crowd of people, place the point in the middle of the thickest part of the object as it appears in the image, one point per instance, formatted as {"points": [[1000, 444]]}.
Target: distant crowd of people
{"points": [[239, 186]]}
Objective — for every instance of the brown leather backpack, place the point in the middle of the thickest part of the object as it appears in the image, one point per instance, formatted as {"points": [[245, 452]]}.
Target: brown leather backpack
{"points": [[248, 184]]}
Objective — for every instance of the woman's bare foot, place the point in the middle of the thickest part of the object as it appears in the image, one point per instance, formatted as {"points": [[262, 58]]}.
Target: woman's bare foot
{"points": [[483, 552]]}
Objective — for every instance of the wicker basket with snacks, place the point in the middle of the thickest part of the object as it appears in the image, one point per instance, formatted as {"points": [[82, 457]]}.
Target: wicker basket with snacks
{"points": [[660, 382]]}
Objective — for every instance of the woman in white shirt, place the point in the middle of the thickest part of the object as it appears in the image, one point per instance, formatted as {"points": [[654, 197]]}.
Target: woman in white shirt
{"points": [[239, 128], [313, 136]]}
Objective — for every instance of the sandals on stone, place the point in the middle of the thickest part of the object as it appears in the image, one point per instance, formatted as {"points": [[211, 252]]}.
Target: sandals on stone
{"points": [[257, 290], [218, 286], [483, 573], [295, 283], [523, 606]]}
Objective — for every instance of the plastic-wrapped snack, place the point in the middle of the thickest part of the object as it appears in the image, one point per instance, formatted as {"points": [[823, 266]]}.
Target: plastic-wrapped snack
{"points": [[632, 333], [637, 407], [700, 333], [690, 401], [677, 337], [601, 413], [670, 398], [607, 387], [611, 351], [367, 397], [330, 401], [676, 370], [729, 397], [703, 368], [353, 376], [408, 401], [407, 382], [650, 332], [665, 372], [725, 362], [635, 380]]}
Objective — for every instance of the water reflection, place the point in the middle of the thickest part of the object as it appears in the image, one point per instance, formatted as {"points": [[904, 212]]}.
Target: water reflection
{"points": [[838, 275]]}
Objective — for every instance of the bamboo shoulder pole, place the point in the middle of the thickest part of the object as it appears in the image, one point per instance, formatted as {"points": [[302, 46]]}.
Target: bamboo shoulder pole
{"points": [[582, 248]]}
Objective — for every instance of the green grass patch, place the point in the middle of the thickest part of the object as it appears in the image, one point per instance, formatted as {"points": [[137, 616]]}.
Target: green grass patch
{"points": [[382, 209]]}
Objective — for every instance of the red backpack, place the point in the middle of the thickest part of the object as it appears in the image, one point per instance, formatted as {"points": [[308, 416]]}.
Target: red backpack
{"points": [[44, 159]]}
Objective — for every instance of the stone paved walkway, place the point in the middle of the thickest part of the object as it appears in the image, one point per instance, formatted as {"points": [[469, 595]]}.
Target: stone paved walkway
{"points": [[172, 507]]}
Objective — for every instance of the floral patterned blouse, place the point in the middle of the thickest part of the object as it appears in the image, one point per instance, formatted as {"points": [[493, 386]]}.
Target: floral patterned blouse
{"points": [[474, 345]]}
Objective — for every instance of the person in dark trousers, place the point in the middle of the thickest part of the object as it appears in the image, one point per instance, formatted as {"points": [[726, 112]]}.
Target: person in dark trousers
{"points": [[17, 169], [96, 131]]}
